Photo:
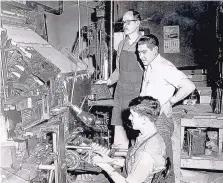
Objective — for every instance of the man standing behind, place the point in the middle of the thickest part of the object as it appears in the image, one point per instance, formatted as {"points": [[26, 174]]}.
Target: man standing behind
{"points": [[161, 79], [128, 75]]}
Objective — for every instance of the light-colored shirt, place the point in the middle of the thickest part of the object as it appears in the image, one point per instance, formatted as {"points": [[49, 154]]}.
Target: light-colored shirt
{"points": [[143, 161], [160, 79]]}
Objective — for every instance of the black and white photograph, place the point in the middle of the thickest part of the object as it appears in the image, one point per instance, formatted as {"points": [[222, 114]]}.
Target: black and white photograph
{"points": [[111, 91]]}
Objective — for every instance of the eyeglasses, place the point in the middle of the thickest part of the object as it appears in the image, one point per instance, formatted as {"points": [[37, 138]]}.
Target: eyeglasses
{"points": [[128, 21]]}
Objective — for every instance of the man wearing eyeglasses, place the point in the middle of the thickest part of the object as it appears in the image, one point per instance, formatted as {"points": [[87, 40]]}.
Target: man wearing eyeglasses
{"points": [[128, 75]]}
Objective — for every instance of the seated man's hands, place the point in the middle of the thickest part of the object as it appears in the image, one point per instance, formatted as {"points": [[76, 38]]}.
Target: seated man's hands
{"points": [[102, 152], [100, 157], [106, 158], [98, 160], [101, 162], [100, 149]]}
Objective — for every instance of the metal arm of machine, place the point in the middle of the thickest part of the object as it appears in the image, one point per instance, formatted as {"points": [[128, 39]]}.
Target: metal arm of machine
{"points": [[86, 117]]}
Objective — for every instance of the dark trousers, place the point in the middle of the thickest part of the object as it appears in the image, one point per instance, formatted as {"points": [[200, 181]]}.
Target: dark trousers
{"points": [[165, 128]]}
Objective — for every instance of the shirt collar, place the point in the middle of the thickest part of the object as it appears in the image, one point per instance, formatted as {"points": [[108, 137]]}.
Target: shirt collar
{"points": [[140, 35], [154, 62], [141, 137]]}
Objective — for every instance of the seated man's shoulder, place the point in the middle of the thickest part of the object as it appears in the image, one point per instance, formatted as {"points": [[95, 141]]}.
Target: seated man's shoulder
{"points": [[155, 145]]}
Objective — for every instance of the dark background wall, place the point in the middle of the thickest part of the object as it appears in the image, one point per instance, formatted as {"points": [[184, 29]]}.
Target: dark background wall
{"points": [[197, 23]]}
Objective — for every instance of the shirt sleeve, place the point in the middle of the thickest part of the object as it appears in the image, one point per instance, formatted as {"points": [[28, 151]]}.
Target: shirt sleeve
{"points": [[114, 76], [172, 75], [143, 166]]}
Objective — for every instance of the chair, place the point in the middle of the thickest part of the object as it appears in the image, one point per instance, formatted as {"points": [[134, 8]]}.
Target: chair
{"points": [[163, 176]]}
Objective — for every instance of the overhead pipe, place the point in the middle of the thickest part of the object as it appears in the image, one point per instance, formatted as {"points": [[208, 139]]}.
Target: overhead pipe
{"points": [[48, 9]]}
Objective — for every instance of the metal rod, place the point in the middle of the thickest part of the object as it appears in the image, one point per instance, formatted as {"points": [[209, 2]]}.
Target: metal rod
{"points": [[111, 35], [97, 49], [72, 90], [100, 53], [78, 147], [79, 28], [79, 34], [77, 58], [88, 41], [51, 176], [4, 69], [83, 102], [108, 140], [90, 148], [55, 161], [46, 167]]}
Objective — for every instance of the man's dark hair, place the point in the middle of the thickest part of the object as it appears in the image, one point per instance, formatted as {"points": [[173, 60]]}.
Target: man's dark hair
{"points": [[150, 40], [135, 14], [146, 106]]}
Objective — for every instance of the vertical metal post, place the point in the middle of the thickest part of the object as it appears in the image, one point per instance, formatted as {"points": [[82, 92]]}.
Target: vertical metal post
{"points": [[59, 150], [55, 161], [79, 28], [111, 36], [51, 176]]}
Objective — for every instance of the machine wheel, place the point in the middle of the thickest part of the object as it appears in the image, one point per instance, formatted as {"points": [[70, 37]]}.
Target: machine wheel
{"points": [[72, 159]]}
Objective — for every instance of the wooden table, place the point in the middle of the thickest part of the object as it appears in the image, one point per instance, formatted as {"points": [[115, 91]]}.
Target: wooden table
{"points": [[200, 116]]}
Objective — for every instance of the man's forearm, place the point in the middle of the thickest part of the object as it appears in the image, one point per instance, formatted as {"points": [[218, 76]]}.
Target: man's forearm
{"points": [[182, 92], [114, 77], [180, 95], [113, 174]]}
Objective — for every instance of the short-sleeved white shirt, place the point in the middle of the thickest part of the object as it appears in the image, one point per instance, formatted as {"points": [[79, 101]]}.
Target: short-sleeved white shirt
{"points": [[160, 79]]}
